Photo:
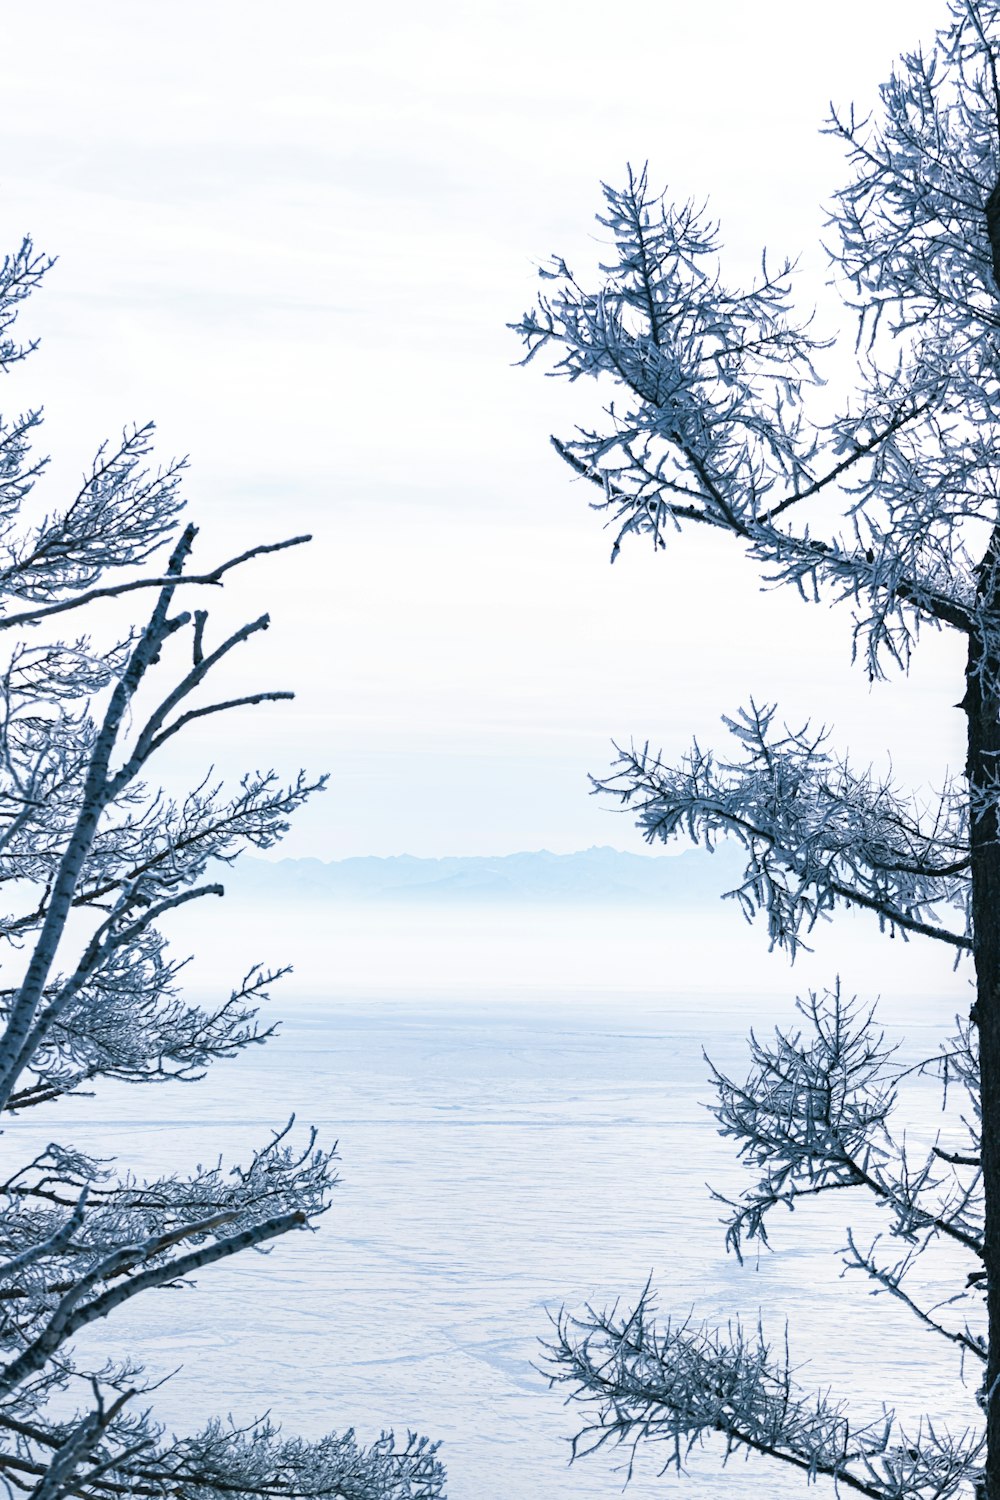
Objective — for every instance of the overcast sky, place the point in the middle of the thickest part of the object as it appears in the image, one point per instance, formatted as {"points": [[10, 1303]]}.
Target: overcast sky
{"points": [[294, 237]]}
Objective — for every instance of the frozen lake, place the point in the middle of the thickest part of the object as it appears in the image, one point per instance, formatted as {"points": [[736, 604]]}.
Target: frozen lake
{"points": [[518, 1098]]}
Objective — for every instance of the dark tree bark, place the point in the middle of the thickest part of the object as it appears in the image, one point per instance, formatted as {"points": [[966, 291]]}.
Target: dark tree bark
{"points": [[982, 708]]}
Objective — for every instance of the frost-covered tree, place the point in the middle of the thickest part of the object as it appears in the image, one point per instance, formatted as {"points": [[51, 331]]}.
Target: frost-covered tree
{"points": [[93, 861], [891, 508]]}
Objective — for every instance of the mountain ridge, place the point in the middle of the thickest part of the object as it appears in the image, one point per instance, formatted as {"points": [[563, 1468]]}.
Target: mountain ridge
{"points": [[597, 874]]}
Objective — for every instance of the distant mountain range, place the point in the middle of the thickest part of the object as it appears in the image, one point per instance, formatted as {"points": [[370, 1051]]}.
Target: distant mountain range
{"points": [[691, 878]]}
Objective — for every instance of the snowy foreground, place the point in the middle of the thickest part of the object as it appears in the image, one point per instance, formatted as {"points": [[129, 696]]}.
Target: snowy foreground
{"points": [[518, 1099]]}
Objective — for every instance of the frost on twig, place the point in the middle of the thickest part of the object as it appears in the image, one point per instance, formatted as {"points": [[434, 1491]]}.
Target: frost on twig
{"points": [[678, 1385], [816, 833], [813, 1116], [882, 496], [95, 860]]}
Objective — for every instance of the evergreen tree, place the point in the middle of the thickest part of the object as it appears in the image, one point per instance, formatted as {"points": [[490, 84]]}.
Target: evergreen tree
{"points": [[93, 860], [709, 425]]}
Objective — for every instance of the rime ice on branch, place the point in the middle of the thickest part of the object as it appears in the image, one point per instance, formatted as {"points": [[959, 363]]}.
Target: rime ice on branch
{"points": [[709, 423], [93, 861]]}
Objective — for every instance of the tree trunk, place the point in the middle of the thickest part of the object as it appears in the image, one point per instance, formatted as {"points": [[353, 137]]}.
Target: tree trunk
{"points": [[982, 708]]}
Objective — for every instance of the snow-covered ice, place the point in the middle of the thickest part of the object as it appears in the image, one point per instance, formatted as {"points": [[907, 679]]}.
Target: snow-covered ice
{"points": [[534, 1138]]}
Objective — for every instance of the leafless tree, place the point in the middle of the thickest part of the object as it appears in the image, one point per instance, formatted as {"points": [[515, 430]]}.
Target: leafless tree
{"points": [[93, 860], [892, 507]]}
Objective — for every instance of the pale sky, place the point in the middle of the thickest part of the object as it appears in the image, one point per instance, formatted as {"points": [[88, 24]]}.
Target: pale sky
{"points": [[293, 237]]}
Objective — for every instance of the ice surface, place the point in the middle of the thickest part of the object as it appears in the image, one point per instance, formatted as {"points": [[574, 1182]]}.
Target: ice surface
{"points": [[518, 1099]]}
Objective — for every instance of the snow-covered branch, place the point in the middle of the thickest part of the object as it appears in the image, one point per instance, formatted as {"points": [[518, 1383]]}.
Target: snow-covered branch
{"points": [[816, 833], [682, 1385]]}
